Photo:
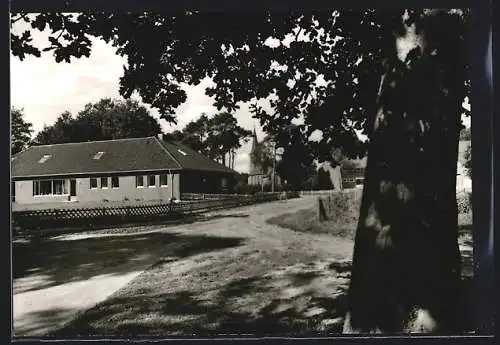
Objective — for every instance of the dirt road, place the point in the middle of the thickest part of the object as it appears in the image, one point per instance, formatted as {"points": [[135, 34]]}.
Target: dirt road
{"points": [[233, 265]]}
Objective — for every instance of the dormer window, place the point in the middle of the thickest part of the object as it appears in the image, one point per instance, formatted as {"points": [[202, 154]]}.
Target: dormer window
{"points": [[182, 152], [98, 155], [44, 158]]}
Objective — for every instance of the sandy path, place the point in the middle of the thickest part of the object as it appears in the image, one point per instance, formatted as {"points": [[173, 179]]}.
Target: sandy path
{"points": [[272, 279], [72, 273]]}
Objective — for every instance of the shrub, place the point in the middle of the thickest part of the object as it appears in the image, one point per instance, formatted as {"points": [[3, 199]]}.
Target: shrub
{"points": [[464, 202], [247, 189]]}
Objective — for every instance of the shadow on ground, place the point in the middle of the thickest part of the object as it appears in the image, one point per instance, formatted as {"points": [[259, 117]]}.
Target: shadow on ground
{"points": [[43, 321], [203, 217], [59, 261], [34, 236], [253, 305], [309, 301]]}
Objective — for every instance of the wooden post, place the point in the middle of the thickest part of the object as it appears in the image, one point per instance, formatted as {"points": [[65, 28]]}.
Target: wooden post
{"points": [[318, 209]]}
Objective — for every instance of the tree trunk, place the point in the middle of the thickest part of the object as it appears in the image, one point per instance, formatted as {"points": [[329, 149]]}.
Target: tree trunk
{"points": [[406, 260]]}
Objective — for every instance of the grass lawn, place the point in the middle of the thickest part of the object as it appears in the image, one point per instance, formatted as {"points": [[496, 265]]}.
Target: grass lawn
{"points": [[345, 219], [345, 223]]}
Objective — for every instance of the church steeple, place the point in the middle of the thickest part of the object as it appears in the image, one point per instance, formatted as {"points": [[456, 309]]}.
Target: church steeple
{"points": [[255, 142], [254, 166]]}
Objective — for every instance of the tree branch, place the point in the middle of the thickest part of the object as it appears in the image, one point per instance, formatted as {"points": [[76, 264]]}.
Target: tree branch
{"points": [[297, 35], [21, 16]]}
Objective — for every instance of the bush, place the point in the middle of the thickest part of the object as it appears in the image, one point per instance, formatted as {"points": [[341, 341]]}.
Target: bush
{"points": [[464, 202], [246, 189]]}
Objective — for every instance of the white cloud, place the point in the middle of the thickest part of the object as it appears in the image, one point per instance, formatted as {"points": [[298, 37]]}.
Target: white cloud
{"points": [[45, 89]]}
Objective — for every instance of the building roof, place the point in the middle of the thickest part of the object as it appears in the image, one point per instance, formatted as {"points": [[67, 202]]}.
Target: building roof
{"points": [[111, 156], [189, 159]]}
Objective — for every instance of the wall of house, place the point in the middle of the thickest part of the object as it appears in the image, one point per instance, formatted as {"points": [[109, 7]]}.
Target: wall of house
{"points": [[335, 177], [24, 194], [206, 182], [255, 180], [126, 190]]}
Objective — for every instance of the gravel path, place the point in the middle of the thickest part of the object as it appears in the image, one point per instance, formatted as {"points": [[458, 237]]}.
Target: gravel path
{"points": [[67, 274]]}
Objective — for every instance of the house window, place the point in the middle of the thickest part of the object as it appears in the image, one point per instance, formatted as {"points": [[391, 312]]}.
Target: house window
{"points": [[114, 182], [49, 187], [151, 180], [139, 181], [93, 183], [224, 183], [163, 180], [104, 182]]}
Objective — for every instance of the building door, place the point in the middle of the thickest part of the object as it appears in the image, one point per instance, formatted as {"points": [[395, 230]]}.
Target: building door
{"points": [[72, 189]]}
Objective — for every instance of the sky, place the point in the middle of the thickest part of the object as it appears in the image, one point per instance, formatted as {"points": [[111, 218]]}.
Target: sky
{"points": [[45, 89]]}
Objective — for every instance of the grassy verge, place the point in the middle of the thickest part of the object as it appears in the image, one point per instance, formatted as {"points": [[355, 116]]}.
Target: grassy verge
{"points": [[344, 221]]}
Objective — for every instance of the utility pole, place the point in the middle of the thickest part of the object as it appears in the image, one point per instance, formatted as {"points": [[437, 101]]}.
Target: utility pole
{"points": [[274, 166]]}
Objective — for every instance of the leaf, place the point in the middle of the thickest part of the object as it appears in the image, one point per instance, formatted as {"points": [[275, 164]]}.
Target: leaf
{"points": [[166, 50]]}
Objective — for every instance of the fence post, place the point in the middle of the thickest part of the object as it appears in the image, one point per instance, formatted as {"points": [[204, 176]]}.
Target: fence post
{"points": [[318, 208]]}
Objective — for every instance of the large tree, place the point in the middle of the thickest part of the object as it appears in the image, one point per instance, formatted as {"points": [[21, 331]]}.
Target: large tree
{"points": [[195, 135], [297, 157], [106, 119], [20, 131], [225, 136], [218, 136], [399, 76]]}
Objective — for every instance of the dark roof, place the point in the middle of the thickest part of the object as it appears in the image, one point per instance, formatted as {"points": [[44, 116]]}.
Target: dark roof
{"points": [[120, 156], [192, 160]]}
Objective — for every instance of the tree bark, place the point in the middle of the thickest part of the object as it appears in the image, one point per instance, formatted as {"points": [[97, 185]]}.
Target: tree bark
{"points": [[406, 260]]}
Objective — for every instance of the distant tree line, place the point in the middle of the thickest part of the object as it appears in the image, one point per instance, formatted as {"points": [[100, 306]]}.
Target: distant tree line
{"points": [[21, 131], [217, 137]]}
